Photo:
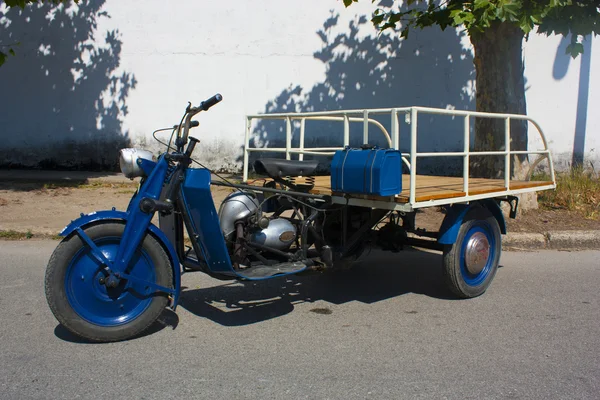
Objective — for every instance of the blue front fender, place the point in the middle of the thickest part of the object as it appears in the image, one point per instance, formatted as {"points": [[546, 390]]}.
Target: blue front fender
{"points": [[114, 215]]}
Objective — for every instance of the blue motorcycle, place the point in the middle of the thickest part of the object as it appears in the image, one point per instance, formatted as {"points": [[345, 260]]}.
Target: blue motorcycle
{"points": [[115, 272]]}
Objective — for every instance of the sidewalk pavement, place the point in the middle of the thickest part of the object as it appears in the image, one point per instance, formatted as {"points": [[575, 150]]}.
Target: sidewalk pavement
{"points": [[555, 240]]}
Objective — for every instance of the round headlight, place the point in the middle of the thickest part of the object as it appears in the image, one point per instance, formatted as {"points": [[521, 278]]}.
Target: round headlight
{"points": [[128, 161]]}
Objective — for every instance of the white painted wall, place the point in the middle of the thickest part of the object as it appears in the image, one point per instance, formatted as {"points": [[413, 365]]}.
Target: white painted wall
{"points": [[251, 51], [553, 94], [247, 51]]}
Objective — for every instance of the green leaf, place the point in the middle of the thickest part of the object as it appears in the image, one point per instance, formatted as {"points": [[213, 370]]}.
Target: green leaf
{"points": [[512, 8], [481, 4], [377, 19], [525, 24], [461, 17], [425, 20], [454, 13], [11, 52], [2, 58], [575, 17], [394, 17], [348, 3], [574, 49]]}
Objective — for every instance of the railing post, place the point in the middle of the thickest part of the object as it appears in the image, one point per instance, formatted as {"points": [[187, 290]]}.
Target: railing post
{"points": [[246, 152], [302, 130], [551, 165], [413, 156], [346, 130], [507, 153], [395, 130], [288, 137], [366, 127], [466, 157]]}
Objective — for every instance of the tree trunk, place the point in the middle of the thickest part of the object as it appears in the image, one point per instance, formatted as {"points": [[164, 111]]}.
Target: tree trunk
{"points": [[500, 87]]}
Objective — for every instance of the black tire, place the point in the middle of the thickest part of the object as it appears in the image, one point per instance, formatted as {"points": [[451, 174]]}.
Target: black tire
{"points": [[479, 226], [70, 253]]}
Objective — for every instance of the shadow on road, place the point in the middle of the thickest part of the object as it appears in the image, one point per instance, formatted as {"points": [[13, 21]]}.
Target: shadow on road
{"points": [[376, 277]]}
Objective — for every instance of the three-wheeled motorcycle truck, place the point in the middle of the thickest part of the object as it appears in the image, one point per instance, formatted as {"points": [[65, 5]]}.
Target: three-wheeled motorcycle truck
{"points": [[115, 271]]}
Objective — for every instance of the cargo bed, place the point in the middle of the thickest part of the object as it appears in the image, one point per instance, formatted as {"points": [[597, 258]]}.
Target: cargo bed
{"points": [[431, 187], [418, 190]]}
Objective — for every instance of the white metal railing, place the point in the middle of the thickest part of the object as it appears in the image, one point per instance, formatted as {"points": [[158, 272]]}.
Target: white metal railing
{"points": [[411, 117]]}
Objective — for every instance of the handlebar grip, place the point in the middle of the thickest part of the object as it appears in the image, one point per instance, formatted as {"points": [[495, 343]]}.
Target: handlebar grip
{"points": [[208, 103]]}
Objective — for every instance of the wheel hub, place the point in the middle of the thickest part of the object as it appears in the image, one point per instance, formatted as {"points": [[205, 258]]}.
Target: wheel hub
{"points": [[103, 297], [477, 252], [112, 281]]}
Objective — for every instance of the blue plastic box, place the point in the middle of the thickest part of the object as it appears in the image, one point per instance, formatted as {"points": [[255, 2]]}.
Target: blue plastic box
{"points": [[367, 171]]}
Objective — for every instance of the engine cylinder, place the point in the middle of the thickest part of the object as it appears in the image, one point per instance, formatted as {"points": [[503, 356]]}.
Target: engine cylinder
{"points": [[280, 234], [238, 206]]}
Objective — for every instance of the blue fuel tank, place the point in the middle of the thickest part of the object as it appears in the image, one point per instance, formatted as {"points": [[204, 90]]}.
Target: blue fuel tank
{"points": [[367, 171]]}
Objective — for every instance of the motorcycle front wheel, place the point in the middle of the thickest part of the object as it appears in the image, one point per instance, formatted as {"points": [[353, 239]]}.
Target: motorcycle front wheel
{"points": [[82, 301]]}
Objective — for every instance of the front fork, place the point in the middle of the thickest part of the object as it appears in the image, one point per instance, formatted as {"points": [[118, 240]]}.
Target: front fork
{"points": [[139, 217]]}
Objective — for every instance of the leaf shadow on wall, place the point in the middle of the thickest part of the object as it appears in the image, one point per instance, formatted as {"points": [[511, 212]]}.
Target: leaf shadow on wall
{"points": [[431, 68], [64, 95]]}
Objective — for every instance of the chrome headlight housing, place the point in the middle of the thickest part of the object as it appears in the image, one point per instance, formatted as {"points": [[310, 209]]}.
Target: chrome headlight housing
{"points": [[128, 161]]}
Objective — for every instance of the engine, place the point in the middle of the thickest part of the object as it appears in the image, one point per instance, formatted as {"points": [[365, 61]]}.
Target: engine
{"points": [[277, 233], [238, 206], [280, 234]]}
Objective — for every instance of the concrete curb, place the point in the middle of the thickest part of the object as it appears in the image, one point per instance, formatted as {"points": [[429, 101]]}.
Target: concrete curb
{"points": [[554, 240], [514, 241]]}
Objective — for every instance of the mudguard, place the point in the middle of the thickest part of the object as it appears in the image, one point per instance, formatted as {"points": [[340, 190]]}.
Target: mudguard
{"points": [[456, 215], [114, 215]]}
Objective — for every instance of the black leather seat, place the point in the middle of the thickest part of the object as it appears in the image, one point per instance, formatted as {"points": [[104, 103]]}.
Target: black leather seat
{"points": [[278, 168]]}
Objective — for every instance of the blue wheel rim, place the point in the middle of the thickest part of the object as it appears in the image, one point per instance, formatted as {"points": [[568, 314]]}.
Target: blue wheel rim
{"points": [[103, 306], [481, 227]]}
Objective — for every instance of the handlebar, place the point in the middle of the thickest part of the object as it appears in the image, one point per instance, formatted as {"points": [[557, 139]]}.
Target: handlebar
{"points": [[190, 112], [208, 103], [193, 124]]}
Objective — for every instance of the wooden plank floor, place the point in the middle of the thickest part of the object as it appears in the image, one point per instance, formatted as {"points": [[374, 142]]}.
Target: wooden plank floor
{"points": [[434, 187]]}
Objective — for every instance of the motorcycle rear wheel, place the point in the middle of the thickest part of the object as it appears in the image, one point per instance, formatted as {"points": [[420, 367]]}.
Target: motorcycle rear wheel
{"points": [[81, 301]]}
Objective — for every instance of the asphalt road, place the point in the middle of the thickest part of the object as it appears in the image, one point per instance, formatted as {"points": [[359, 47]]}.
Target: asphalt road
{"points": [[384, 330]]}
